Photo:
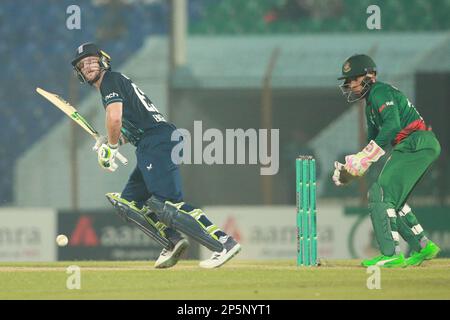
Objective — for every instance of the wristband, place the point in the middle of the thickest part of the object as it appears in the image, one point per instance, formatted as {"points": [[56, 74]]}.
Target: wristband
{"points": [[113, 146]]}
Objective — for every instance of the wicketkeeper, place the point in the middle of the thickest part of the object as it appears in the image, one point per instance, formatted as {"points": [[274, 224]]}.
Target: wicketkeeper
{"points": [[391, 120], [152, 198]]}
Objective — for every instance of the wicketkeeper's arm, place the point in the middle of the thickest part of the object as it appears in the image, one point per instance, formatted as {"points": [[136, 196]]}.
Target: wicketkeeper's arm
{"points": [[385, 106], [372, 131]]}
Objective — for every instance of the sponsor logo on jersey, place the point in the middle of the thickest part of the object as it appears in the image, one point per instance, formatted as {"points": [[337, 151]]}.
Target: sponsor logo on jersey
{"points": [[387, 104], [111, 95]]}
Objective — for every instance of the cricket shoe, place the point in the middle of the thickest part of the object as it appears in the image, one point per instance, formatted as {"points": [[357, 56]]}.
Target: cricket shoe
{"points": [[230, 248], [169, 258], [430, 251], [395, 261]]}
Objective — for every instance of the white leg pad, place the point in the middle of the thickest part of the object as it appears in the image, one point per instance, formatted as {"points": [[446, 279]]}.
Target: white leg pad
{"points": [[417, 229]]}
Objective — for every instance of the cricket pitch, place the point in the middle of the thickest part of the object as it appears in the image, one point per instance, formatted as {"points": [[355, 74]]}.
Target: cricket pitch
{"points": [[281, 279]]}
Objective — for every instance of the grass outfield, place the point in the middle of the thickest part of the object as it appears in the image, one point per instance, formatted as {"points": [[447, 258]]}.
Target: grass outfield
{"points": [[337, 279]]}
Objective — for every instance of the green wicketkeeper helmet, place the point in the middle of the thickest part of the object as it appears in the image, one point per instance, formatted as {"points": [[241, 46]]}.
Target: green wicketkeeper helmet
{"points": [[356, 66]]}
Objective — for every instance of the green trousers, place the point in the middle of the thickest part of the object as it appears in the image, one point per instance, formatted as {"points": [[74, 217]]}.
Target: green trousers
{"points": [[390, 214]]}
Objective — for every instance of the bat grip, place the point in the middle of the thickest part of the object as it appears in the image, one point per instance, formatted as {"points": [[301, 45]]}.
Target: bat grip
{"points": [[121, 158]]}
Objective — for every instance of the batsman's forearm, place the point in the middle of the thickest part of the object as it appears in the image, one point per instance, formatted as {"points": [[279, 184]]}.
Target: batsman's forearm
{"points": [[114, 122], [113, 127]]}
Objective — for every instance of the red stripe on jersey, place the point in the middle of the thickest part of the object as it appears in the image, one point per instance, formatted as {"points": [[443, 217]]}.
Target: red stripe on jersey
{"points": [[382, 108], [417, 125]]}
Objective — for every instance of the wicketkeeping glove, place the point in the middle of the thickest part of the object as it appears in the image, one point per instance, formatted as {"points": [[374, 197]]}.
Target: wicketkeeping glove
{"points": [[106, 156], [341, 177], [357, 164]]}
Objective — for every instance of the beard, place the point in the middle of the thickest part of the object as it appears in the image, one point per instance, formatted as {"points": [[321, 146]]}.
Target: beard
{"points": [[92, 74]]}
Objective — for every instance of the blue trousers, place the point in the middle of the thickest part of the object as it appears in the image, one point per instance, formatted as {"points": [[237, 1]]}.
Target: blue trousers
{"points": [[155, 173]]}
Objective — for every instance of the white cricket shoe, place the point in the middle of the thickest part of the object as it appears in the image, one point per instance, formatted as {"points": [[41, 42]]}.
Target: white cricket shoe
{"points": [[230, 248], [169, 258]]}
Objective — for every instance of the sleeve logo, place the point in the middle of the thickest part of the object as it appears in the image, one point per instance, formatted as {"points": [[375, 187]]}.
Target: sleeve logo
{"points": [[388, 103], [111, 95]]}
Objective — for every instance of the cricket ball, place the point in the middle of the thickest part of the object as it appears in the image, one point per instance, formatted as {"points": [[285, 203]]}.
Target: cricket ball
{"points": [[62, 240]]}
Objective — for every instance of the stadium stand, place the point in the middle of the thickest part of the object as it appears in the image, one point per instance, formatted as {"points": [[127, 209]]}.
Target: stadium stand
{"points": [[41, 56], [294, 16], [36, 47]]}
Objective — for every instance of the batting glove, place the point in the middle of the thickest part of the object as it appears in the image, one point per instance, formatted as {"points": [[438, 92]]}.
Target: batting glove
{"points": [[104, 140], [106, 156], [357, 164], [99, 141]]}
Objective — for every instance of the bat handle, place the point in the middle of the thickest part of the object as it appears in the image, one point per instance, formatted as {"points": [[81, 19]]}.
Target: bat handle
{"points": [[121, 158]]}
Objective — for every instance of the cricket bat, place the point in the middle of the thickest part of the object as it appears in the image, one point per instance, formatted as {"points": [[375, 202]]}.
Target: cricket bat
{"points": [[69, 110]]}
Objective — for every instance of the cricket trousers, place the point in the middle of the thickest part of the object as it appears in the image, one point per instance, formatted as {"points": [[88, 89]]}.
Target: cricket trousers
{"points": [[155, 172], [409, 161]]}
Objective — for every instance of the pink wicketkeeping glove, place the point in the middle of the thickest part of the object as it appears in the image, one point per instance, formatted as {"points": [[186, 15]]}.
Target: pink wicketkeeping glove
{"points": [[357, 164], [340, 176]]}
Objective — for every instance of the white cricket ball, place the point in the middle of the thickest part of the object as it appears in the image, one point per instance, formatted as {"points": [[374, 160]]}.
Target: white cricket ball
{"points": [[62, 240]]}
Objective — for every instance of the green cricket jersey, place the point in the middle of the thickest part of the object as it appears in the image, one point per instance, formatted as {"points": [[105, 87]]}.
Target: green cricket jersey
{"points": [[391, 117]]}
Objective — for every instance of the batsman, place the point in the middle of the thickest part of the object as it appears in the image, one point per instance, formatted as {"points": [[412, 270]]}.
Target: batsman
{"points": [[152, 198], [392, 121]]}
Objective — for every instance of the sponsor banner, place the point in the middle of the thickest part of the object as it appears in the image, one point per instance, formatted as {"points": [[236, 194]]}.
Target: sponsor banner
{"points": [[270, 232], [27, 234], [103, 235]]}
